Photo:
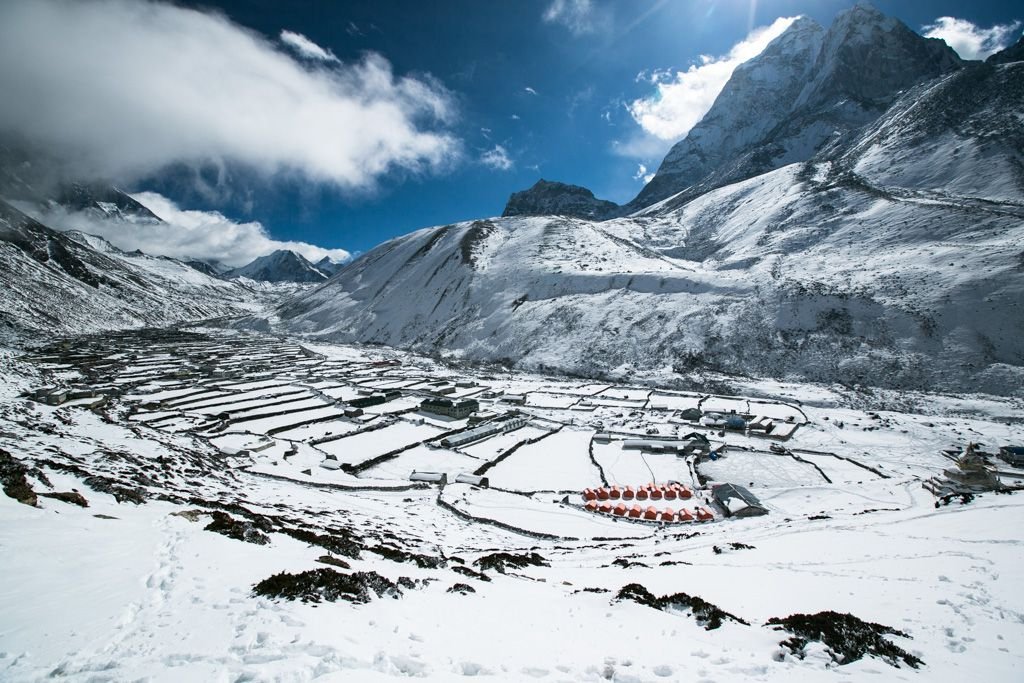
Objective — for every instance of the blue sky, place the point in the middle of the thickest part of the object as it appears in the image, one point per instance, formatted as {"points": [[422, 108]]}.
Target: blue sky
{"points": [[497, 95]]}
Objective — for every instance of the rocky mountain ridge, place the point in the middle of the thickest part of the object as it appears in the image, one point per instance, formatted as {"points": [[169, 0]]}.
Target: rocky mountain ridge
{"points": [[71, 282], [809, 88], [890, 257], [559, 199]]}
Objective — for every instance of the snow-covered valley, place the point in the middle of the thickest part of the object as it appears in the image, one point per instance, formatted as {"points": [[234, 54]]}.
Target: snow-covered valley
{"points": [[212, 465], [763, 422]]}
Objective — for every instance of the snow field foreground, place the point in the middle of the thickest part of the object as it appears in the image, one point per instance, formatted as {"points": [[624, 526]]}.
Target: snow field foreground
{"points": [[155, 579]]}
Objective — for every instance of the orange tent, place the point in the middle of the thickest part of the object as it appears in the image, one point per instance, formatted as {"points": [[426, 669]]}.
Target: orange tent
{"points": [[589, 494], [656, 493], [685, 493], [619, 509], [602, 494], [615, 493], [605, 507], [651, 513], [636, 511], [629, 493], [591, 506], [668, 515], [670, 493], [685, 516], [641, 494], [704, 515]]}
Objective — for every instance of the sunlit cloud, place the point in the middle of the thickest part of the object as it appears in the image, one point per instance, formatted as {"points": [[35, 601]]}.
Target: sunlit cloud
{"points": [[124, 88], [580, 17], [305, 47], [497, 159], [642, 174], [181, 233], [970, 40], [682, 98]]}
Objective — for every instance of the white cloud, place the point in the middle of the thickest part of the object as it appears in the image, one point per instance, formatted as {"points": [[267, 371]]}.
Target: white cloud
{"points": [[530, 90], [578, 16], [969, 40], [515, 117], [642, 174], [642, 145], [682, 99], [496, 158], [305, 47], [184, 234], [126, 87]]}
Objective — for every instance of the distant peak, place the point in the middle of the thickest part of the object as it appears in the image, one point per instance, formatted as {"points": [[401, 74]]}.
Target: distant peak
{"points": [[552, 198], [866, 7], [802, 29], [864, 13], [803, 23]]}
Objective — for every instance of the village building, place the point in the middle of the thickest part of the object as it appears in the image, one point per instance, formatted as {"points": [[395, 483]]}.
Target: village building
{"points": [[457, 409], [971, 474], [692, 443], [473, 480], [713, 420], [374, 399], [482, 416], [1012, 455], [429, 477], [737, 501], [761, 424], [484, 430]]}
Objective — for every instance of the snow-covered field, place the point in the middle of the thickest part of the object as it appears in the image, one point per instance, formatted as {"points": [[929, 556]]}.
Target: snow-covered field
{"points": [[188, 511]]}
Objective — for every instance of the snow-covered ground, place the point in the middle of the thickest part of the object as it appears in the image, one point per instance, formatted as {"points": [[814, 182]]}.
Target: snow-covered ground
{"points": [[135, 587]]}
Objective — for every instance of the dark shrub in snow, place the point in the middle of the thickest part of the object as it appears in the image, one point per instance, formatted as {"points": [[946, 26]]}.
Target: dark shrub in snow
{"points": [[846, 637], [326, 584], [707, 615]]}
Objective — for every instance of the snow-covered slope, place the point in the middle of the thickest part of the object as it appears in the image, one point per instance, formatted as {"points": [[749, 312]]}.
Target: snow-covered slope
{"points": [[58, 282], [282, 265], [872, 263], [960, 136], [807, 87]]}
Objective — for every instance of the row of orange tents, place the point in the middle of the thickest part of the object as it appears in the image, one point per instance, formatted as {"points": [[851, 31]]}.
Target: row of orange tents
{"points": [[652, 513], [645, 492]]}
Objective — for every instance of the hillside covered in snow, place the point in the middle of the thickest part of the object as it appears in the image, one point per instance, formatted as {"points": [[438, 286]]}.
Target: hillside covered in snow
{"points": [[71, 282], [891, 258]]}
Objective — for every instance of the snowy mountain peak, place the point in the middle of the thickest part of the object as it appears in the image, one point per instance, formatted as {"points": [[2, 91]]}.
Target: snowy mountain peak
{"points": [[105, 200], [282, 265], [808, 86], [328, 266], [871, 57], [756, 100]]}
